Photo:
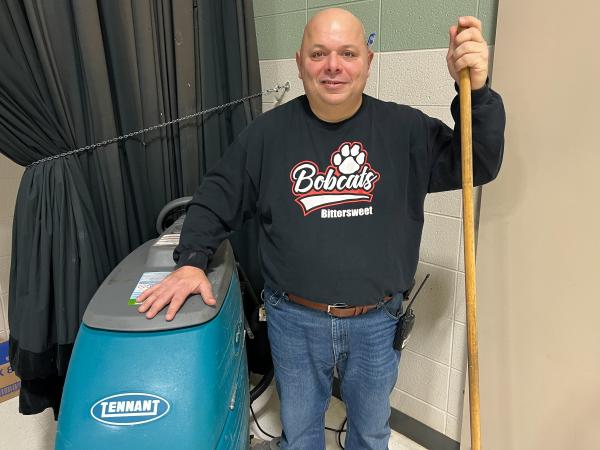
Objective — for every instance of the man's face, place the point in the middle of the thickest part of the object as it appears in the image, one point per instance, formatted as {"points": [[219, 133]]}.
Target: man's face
{"points": [[334, 61]]}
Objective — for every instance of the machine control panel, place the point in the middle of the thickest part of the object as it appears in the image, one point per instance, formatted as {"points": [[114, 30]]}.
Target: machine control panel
{"points": [[113, 305]]}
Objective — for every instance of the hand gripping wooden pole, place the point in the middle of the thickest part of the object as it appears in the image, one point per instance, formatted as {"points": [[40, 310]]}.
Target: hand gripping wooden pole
{"points": [[466, 140]]}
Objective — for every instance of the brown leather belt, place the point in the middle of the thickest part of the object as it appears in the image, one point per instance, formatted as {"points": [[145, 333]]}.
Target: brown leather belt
{"points": [[335, 310]]}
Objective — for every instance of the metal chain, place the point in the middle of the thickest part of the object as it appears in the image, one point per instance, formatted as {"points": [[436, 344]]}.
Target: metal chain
{"points": [[277, 88]]}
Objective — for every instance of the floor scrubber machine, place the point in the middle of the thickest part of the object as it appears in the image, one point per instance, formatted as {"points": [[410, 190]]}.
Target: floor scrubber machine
{"points": [[135, 383]]}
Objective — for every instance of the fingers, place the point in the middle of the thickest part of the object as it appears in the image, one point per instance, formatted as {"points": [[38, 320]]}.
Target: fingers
{"points": [[471, 60], [176, 304], [468, 35], [470, 39], [206, 292], [147, 301], [144, 303], [473, 33], [156, 304], [452, 36], [144, 295], [469, 22], [468, 49], [174, 291]]}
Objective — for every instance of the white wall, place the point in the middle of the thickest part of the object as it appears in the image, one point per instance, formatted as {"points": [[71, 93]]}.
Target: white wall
{"points": [[538, 257], [10, 176]]}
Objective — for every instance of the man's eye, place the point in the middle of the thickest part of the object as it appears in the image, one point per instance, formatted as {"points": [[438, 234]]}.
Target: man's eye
{"points": [[317, 54], [348, 54]]}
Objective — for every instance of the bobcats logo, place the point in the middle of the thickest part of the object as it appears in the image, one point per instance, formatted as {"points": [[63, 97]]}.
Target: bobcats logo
{"points": [[349, 178]]}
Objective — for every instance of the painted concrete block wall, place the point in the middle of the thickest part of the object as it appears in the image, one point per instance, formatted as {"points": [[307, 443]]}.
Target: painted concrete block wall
{"points": [[10, 176], [410, 68]]}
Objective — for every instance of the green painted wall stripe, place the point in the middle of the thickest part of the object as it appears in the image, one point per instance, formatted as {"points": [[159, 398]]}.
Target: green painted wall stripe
{"points": [[367, 11], [405, 24], [279, 36], [330, 3], [270, 7], [488, 13]]}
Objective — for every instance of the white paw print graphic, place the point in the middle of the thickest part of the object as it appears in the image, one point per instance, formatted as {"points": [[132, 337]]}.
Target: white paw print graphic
{"points": [[348, 160]]}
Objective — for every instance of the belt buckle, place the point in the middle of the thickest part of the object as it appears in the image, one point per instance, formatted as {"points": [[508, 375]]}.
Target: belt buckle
{"points": [[337, 305]]}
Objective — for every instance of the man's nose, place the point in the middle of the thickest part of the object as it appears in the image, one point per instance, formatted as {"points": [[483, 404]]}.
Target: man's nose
{"points": [[333, 63]]}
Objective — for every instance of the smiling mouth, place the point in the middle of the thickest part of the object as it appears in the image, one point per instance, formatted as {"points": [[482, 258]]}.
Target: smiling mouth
{"points": [[332, 82]]}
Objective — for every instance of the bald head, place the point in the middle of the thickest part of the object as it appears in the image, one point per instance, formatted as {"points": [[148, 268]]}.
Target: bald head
{"points": [[333, 64], [334, 21]]}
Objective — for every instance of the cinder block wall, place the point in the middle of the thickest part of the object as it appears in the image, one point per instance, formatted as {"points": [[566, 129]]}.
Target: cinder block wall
{"points": [[10, 176], [409, 68]]}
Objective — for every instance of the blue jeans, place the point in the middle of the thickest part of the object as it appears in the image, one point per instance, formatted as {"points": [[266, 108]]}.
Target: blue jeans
{"points": [[307, 344]]}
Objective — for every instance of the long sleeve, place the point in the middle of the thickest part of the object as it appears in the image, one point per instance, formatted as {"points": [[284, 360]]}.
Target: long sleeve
{"points": [[488, 120], [225, 199]]}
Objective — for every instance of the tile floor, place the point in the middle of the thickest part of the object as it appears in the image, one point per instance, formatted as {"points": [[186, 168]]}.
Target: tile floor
{"points": [[18, 432], [21, 432]]}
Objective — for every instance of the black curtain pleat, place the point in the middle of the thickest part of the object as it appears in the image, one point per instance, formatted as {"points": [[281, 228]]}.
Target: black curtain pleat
{"points": [[76, 72]]}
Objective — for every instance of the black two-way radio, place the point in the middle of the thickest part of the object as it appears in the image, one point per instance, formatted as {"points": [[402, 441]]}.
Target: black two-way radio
{"points": [[407, 320]]}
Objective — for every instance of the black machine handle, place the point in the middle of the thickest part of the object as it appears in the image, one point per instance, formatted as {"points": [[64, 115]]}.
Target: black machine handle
{"points": [[168, 208]]}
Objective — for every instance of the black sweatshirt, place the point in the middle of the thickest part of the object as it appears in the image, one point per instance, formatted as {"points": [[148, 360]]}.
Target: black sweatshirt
{"points": [[340, 205]]}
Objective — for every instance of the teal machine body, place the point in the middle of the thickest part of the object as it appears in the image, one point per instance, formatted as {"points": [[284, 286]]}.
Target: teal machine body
{"points": [[135, 383]]}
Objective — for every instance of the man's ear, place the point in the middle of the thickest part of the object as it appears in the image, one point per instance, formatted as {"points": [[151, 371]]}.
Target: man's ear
{"points": [[299, 64], [370, 56]]}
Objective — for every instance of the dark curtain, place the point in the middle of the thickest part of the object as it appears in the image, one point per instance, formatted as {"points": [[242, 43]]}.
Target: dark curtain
{"points": [[81, 71]]}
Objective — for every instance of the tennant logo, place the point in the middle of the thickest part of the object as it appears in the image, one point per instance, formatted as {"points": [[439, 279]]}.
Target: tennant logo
{"points": [[129, 409]]}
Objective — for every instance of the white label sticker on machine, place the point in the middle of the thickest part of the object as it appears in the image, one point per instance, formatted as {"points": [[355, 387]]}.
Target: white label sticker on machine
{"points": [[168, 239], [147, 280]]}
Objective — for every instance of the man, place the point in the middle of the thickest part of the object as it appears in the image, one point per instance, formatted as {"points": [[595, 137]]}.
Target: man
{"points": [[338, 181]]}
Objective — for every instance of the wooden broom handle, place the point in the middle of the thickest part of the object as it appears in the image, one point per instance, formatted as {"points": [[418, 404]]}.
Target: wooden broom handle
{"points": [[466, 140]]}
